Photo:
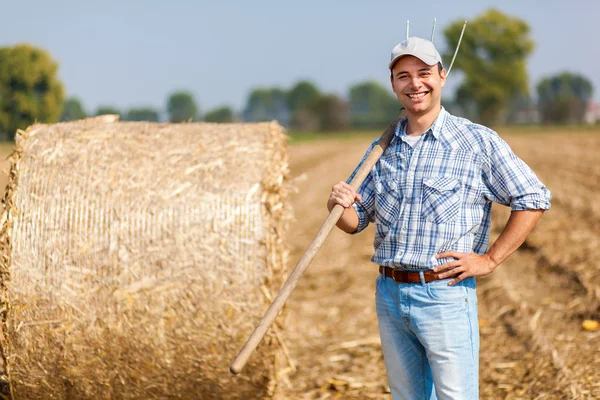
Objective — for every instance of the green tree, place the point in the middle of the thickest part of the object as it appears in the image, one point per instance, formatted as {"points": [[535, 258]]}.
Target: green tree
{"points": [[72, 110], [332, 113], [182, 107], [301, 100], [492, 57], [104, 110], [267, 104], [302, 96], [220, 114], [372, 106], [30, 90], [142, 114], [563, 98]]}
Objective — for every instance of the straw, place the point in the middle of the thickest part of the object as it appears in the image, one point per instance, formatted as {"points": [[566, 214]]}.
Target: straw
{"points": [[133, 256]]}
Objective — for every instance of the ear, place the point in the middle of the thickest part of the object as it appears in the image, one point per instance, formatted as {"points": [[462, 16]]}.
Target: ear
{"points": [[443, 74], [392, 82]]}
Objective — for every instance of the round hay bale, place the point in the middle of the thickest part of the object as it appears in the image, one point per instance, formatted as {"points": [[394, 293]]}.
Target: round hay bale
{"points": [[136, 258]]}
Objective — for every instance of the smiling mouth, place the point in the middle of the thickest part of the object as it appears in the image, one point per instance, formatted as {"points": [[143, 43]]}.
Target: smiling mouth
{"points": [[417, 96]]}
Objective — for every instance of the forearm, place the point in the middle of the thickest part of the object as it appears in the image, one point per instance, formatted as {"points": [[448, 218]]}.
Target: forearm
{"points": [[516, 230], [348, 222], [345, 195], [514, 234]]}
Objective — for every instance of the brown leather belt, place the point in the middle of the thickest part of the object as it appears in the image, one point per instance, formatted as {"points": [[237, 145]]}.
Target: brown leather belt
{"points": [[408, 276]]}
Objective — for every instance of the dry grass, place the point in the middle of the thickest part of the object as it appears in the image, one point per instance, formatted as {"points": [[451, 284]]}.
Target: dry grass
{"points": [[531, 308], [6, 148], [533, 345], [136, 258]]}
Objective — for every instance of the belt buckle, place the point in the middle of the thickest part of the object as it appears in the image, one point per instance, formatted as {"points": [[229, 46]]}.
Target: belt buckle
{"points": [[394, 276]]}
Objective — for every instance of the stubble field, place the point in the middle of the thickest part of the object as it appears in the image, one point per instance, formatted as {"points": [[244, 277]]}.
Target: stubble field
{"points": [[531, 309]]}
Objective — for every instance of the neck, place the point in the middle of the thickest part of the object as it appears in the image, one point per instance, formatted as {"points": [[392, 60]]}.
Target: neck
{"points": [[419, 123]]}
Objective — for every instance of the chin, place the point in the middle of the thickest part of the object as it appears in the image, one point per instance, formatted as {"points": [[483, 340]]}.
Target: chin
{"points": [[417, 108]]}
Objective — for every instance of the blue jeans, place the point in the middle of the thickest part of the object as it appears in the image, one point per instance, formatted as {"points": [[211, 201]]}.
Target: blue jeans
{"points": [[430, 339]]}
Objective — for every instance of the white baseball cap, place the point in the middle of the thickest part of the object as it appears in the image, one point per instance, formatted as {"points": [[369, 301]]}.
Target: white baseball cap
{"points": [[423, 49]]}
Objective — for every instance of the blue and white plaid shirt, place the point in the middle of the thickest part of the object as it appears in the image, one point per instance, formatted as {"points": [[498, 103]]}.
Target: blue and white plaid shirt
{"points": [[438, 195]]}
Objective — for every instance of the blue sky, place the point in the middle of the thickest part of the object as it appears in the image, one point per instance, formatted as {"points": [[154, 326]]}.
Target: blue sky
{"points": [[134, 53]]}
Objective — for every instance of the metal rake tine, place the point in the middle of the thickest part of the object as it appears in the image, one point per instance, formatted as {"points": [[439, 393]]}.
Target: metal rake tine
{"points": [[433, 30], [457, 47]]}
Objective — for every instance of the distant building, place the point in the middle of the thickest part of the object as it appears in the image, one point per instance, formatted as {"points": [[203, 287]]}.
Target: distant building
{"points": [[592, 113]]}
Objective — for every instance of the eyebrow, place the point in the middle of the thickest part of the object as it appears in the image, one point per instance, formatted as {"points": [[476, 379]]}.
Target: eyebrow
{"points": [[421, 70]]}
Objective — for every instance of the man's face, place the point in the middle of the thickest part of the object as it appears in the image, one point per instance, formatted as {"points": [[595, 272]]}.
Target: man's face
{"points": [[417, 85]]}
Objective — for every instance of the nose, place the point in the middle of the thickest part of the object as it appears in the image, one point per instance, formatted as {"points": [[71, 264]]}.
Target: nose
{"points": [[415, 82]]}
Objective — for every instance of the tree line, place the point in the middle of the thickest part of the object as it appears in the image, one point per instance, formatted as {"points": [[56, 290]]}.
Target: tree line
{"points": [[303, 107], [494, 89]]}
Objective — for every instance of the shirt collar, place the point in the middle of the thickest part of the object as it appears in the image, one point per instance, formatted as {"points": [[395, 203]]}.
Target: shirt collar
{"points": [[435, 128], [438, 124]]}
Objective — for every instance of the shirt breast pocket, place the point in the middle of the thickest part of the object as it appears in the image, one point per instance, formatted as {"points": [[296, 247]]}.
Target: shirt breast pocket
{"points": [[441, 199], [388, 201]]}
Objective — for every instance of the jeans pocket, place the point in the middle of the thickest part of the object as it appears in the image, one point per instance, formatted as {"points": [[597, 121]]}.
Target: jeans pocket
{"points": [[440, 291], [441, 199]]}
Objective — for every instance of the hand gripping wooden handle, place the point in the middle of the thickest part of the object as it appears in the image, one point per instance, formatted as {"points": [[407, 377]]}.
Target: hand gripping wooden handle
{"points": [[289, 285]]}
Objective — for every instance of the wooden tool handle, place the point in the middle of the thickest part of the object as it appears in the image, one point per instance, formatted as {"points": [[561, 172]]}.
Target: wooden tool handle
{"points": [[311, 251]]}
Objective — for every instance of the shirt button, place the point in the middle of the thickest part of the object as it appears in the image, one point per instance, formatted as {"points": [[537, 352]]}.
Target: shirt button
{"points": [[404, 228], [409, 201]]}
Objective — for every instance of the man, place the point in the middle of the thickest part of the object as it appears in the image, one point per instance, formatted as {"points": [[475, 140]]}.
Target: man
{"points": [[430, 195]]}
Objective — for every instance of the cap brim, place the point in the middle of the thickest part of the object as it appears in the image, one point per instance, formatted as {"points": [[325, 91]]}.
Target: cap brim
{"points": [[427, 60]]}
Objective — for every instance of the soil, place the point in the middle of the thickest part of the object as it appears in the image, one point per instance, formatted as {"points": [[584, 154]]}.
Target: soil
{"points": [[531, 308]]}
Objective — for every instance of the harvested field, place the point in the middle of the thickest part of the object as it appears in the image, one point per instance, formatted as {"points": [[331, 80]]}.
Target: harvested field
{"points": [[531, 308]]}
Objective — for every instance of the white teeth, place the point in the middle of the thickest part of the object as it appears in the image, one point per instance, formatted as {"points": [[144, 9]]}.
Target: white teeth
{"points": [[416, 96]]}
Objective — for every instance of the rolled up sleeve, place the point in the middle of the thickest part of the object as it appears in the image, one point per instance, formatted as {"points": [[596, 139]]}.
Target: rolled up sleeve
{"points": [[510, 181], [363, 217], [365, 209]]}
